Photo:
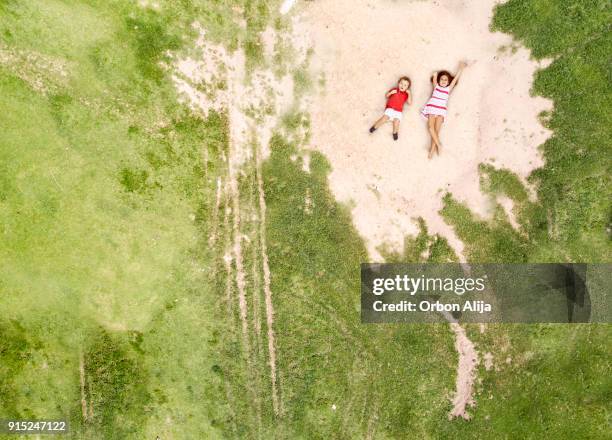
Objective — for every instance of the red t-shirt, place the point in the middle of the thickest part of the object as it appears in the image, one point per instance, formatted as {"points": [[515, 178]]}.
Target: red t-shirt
{"points": [[397, 100]]}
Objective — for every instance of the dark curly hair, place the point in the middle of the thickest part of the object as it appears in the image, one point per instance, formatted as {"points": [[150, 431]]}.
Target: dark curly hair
{"points": [[445, 73]]}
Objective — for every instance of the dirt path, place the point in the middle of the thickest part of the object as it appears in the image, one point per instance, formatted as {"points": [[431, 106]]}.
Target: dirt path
{"points": [[82, 381], [466, 370], [267, 289], [466, 373], [237, 245], [215, 215], [87, 412]]}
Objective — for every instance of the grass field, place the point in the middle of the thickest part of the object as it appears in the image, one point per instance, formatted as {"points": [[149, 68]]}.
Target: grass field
{"points": [[115, 305]]}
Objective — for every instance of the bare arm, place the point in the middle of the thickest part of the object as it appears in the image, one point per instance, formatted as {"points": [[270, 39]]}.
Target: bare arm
{"points": [[434, 79], [391, 92], [462, 65], [409, 97]]}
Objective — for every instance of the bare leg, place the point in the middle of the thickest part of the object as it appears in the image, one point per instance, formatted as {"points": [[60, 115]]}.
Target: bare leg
{"points": [[432, 148], [432, 130], [438, 125], [396, 123], [431, 124], [381, 121]]}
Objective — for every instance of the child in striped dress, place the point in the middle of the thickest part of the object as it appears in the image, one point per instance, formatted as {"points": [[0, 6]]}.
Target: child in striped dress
{"points": [[436, 108]]}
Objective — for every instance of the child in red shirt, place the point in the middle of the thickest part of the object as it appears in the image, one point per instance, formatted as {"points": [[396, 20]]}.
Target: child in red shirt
{"points": [[396, 98]]}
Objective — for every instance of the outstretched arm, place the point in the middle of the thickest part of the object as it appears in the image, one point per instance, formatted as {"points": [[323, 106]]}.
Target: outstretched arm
{"points": [[434, 79], [462, 65]]}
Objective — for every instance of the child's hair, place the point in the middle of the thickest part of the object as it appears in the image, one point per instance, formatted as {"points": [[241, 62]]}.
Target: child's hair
{"points": [[405, 78], [445, 73]]}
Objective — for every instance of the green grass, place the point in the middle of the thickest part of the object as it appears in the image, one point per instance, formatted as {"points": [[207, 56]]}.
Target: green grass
{"points": [[104, 205], [340, 361], [107, 195]]}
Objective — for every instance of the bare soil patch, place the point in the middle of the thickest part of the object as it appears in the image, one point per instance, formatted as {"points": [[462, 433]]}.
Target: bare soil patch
{"points": [[362, 47]]}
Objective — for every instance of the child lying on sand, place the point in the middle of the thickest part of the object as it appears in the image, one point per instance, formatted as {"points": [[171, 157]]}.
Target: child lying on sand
{"points": [[396, 98], [436, 108]]}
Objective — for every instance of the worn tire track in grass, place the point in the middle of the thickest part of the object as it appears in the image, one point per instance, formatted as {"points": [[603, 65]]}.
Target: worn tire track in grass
{"points": [[82, 381], [227, 258], [228, 292], [238, 152], [256, 299], [240, 275], [230, 249], [253, 284], [267, 289], [256, 278], [235, 155], [259, 354], [358, 384], [195, 74], [371, 428], [215, 214]]}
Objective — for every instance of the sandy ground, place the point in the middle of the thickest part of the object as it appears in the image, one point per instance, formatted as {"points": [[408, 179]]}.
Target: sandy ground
{"points": [[362, 47]]}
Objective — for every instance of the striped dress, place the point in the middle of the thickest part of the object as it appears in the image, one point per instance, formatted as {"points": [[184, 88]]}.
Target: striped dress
{"points": [[438, 102]]}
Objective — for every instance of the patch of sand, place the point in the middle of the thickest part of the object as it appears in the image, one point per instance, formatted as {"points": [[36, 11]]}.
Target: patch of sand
{"points": [[363, 47], [466, 371], [286, 6]]}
